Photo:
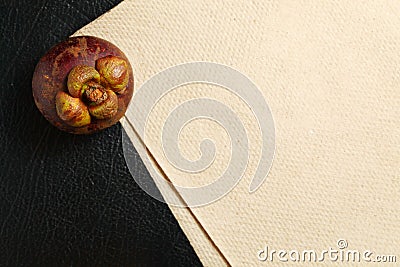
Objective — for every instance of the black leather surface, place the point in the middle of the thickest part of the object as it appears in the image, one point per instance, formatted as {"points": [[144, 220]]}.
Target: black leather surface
{"points": [[69, 200]]}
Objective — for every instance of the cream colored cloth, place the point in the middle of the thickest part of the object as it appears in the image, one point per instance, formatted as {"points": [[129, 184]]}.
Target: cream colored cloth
{"points": [[330, 72]]}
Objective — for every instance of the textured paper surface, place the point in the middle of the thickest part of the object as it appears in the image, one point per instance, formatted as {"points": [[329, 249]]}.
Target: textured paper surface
{"points": [[201, 242], [330, 72]]}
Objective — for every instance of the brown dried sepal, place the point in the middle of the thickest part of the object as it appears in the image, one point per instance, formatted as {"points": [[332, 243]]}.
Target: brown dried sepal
{"points": [[72, 110], [78, 77], [114, 73], [107, 108]]}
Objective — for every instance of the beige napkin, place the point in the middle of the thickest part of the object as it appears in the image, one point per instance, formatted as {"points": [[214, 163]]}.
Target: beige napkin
{"points": [[330, 72]]}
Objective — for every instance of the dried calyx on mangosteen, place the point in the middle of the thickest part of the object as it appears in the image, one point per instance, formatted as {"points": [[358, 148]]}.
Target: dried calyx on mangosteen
{"points": [[95, 87], [83, 85]]}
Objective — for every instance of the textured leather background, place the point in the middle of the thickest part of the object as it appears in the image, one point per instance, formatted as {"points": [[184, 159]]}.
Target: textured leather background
{"points": [[69, 200]]}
